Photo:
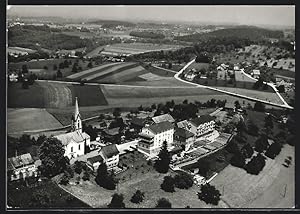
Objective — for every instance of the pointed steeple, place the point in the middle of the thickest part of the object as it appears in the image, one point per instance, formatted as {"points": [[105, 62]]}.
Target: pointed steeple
{"points": [[77, 120], [76, 113]]}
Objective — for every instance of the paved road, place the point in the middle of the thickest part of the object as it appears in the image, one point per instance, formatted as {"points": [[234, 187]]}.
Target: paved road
{"points": [[230, 93]]}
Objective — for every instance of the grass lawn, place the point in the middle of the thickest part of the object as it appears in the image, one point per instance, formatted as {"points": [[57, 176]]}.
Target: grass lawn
{"points": [[17, 97], [20, 120], [243, 190], [22, 196]]}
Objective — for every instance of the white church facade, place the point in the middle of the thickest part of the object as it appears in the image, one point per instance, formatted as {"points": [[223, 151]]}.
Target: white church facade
{"points": [[75, 141]]}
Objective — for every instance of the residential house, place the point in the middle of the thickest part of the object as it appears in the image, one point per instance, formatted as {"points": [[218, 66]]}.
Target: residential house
{"points": [[74, 142], [108, 154], [153, 136], [256, 73], [21, 167]]}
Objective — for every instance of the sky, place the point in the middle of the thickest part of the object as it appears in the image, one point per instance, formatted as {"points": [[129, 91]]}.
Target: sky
{"points": [[281, 15]]}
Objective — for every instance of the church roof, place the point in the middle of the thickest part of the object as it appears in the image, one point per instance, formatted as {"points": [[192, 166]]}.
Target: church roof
{"points": [[75, 136]]}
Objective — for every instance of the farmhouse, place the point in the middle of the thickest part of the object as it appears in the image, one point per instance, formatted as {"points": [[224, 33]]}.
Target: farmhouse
{"points": [[21, 166], [152, 138], [76, 140]]}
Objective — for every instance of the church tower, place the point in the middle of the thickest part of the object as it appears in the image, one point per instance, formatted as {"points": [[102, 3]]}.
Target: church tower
{"points": [[77, 124]]}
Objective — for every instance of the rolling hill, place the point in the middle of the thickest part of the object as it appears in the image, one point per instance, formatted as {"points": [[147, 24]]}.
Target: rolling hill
{"points": [[241, 32]]}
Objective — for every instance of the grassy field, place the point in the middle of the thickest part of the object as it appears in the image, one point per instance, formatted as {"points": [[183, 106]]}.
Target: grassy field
{"points": [[262, 95], [20, 120], [242, 190], [22, 196], [17, 97]]}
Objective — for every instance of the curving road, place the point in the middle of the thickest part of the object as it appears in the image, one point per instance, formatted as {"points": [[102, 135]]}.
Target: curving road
{"points": [[285, 105]]}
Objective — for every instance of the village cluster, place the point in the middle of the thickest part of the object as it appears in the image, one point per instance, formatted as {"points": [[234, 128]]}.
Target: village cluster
{"points": [[187, 141]]}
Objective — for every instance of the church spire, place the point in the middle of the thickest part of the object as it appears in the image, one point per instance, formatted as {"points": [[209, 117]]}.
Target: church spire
{"points": [[76, 113], [77, 119]]}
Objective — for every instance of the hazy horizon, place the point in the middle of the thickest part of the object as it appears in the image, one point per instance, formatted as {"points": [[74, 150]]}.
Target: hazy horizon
{"points": [[282, 15]]}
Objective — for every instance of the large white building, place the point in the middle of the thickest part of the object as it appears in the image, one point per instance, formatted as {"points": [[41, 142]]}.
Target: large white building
{"points": [[75, 141], [152, 138]]}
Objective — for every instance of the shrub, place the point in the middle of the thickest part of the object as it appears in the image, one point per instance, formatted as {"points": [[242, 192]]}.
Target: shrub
{"points": [[273, 150], [138, 197], [247, 151], [117, 201], [183, 180], [86, 176], [209, 194], [255, 165], [168, 184], [163, 203]]}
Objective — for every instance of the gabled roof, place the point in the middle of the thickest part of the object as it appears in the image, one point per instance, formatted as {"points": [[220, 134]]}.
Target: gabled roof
{"points": [[75, 136], [95, 159], [19, 161], [110, 150], [138, 121], [202, 119], [162, 118], [183, 133], [161, 127]]}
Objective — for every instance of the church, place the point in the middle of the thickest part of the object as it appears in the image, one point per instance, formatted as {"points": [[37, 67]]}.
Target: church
{"points": [[75, 141]]}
